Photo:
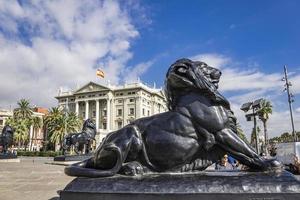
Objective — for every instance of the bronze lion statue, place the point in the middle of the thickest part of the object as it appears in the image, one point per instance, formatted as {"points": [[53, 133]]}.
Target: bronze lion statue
{"points": [[197, 131], [6, 138], [81, 141]]}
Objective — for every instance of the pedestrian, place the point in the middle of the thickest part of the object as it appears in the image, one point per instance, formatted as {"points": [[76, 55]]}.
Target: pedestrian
{"points": [[223, 164]]}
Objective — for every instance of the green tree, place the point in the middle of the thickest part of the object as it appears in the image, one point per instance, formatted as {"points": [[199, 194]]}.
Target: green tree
{"points": [[23, 111], [263, 114], [21, 130], [286, 137], [73, 122], [241, 133], [59, 124], [21, 135], [253, 137], [10, 121]]}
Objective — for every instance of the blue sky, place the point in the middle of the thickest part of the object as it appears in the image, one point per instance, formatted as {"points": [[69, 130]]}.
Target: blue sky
{"points": [[46, 45], [264, 32]]}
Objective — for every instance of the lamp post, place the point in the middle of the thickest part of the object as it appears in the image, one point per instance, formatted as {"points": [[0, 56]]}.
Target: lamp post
{"points": [[254, 106], [287, 86]]}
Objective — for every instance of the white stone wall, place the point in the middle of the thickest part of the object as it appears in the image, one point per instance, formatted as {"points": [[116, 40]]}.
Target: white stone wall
{"points": [[145, 102]]}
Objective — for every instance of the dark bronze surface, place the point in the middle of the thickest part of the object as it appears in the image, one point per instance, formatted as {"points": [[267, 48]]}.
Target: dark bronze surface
{"points": [[198, 130], [6, 139], [81, 141], [197, 185]]}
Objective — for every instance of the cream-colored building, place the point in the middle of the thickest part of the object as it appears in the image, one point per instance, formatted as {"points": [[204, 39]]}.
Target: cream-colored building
{"points": [[36, 135], [4, 115], [113, 107]]}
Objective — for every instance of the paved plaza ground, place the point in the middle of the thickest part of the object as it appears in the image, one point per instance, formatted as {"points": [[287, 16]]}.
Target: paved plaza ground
{"points": [[32, 179]]}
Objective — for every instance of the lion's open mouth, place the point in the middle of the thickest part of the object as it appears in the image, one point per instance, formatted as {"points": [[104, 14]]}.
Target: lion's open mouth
{"points": [[180, 80], [215, 82]]}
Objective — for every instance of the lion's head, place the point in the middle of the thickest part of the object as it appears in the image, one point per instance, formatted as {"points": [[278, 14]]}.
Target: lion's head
{"points": [[89, 124], [187, 75], [89, 127], [7, 130]]}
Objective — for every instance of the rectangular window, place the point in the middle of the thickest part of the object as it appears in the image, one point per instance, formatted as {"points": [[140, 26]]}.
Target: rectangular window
{"points": [[143, 111], [119, 125], [131, 100], [94, 113], [119, 112], [104, 125], [131, 111], [1, 122], [148, 112], [104, 112], [120, 101]]}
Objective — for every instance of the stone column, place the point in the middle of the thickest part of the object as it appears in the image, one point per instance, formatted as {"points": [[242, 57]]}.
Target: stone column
{"points": [[97, 114], [86, 110], [108, 114], [30, 138], [77, 108]]}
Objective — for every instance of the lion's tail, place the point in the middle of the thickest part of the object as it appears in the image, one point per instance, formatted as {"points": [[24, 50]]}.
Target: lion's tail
{"points": [[85, 168], [78, 169]]}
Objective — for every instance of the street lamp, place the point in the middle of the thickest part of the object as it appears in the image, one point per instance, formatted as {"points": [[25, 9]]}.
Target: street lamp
{"points": [[287, 86], [254, 106]]}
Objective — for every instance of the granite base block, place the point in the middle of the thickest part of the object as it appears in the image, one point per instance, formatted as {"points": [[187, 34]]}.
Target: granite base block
{"points": [[188, 186], [8, 155], [72, 157]]}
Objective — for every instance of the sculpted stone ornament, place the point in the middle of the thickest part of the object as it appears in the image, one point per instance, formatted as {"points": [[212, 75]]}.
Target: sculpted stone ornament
{"points": [[198, 130], [81, 141], [6, 138]]}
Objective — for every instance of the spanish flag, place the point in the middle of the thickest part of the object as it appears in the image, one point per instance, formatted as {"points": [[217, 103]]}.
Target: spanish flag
{"points": [[100, 73]]}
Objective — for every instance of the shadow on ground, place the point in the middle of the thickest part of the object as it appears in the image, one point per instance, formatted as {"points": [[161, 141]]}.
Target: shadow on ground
{"points": [[54, 198]]}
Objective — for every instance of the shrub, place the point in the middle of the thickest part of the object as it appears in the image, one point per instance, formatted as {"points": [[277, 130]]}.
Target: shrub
{"points": [[39, 153]]}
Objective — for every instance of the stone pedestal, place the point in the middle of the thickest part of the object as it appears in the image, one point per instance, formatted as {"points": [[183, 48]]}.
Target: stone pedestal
{"points": [[66, 158], [203, 185], [7, 155]]}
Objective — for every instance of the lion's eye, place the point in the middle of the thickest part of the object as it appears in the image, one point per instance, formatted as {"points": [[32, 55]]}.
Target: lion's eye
{"points": [[182, 70]]}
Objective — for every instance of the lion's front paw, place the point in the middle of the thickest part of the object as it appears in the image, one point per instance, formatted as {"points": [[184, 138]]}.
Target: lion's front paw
{"points": [[273, 164], [132, 169]]}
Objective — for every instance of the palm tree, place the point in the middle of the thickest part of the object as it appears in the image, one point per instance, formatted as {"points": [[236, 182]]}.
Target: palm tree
{"points": [[21, 132], [241, 133], [73, 122], [57, 130], [59, 124], [263, 113], [37, 123], [10, 121], [24, 111], [253, 136]]}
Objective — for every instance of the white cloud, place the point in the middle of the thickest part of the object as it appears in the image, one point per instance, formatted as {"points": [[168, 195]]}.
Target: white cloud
{"points": [[133, 74], [213, 59], [295, 80], [64, 44]]}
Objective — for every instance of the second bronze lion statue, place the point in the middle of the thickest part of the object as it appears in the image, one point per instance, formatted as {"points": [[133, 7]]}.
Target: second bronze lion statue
{"points": [[197, 131]]}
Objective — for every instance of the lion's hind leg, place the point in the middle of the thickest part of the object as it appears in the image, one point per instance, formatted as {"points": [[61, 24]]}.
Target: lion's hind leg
{"points": [[110, 156]]}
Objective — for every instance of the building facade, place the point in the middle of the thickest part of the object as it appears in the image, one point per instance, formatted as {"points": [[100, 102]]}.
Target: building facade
{"points": [[113, 107], [4, 115], [37, 134]]}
